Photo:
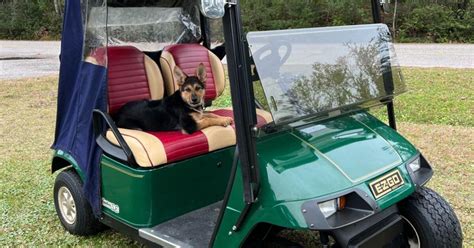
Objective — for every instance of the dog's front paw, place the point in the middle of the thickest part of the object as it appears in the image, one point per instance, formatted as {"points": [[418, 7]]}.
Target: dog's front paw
{"points": [[226, 121]]}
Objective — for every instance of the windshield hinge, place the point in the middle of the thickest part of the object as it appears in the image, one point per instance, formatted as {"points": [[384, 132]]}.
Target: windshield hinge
{"points": [[255, 130]]}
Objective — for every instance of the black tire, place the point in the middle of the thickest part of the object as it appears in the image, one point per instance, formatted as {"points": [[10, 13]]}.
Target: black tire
{"points": [[84, 222], [432, 218]]}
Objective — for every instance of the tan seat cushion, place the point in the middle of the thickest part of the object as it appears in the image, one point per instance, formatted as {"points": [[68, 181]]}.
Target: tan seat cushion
{"points": [[158, 148]]}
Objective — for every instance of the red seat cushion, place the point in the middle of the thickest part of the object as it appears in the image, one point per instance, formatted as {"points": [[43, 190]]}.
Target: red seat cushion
{"points": [[127, 78], [188, 57], [132, 75], [180, 146], [158, 148]]}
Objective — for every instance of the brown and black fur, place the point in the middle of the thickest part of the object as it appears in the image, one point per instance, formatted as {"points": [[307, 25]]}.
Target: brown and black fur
{"points": [[183, 110]]}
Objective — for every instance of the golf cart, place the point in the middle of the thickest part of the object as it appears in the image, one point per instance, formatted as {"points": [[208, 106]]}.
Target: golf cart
{"points": [[303, 154]]}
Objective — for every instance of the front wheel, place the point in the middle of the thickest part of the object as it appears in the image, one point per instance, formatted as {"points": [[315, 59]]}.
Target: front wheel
{"points": [[72, 208], [430, 221]]}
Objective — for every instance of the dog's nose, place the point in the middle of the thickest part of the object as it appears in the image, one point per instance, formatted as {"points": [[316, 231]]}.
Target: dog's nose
{"points": [[194, 99]]}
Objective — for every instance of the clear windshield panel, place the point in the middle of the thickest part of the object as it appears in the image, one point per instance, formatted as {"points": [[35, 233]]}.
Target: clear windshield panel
{"points": [[322, 72], [216, 32], [148, 27], [151, 28], [95, 37]]}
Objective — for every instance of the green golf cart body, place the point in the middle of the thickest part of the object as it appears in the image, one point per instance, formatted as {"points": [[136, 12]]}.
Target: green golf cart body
{"points": [[336, 170]]}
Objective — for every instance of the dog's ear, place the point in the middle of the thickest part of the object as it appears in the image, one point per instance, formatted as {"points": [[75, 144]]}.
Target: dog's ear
{"points": [[201, 73], [179, 76]]}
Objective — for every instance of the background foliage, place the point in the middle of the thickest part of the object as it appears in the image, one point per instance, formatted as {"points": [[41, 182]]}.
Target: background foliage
{"points": [[29, 19], [416, 20]]}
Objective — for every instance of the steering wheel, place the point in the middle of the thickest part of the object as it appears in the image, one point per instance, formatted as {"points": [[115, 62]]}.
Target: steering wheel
{"points": [[269, 54]]}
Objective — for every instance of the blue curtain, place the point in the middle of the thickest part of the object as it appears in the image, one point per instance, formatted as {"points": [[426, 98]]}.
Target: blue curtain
{"points": [[82, 88]]}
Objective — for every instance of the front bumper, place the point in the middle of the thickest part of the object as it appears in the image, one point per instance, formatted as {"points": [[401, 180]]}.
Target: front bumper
{"points": [[384, 229], [365, 221], [361, 202]]}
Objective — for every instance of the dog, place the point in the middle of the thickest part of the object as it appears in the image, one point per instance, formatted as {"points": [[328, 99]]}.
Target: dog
{"points": [[183, 110]]}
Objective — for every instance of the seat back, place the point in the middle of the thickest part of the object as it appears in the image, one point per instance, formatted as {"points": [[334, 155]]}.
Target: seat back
{"points": [[132, 76], [188, 57]]}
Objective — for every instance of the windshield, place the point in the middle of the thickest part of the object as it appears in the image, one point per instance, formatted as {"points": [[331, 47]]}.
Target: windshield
{"points": [[323, 72]]}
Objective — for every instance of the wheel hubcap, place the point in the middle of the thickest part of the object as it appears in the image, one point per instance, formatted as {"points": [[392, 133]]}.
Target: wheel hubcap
{"points": [[67, 206], [412, 235]]}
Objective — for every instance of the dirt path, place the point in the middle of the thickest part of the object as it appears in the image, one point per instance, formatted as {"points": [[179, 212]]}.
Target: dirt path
{"points": [[436, 55], [22, 59]]}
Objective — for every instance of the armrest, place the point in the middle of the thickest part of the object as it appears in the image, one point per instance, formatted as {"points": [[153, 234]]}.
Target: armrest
{"points": [[101, 122]]}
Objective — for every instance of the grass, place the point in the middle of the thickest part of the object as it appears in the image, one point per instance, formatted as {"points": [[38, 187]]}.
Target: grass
{"points": [[436, 115], [437, 96]]}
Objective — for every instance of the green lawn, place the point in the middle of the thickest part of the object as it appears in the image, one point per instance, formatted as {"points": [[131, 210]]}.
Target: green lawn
{"points": [[437, 96], [436, 115]]}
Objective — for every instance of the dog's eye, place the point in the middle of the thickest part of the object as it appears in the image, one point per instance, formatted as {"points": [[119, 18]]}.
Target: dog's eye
{"points": [[188, 90], [198, 88]]}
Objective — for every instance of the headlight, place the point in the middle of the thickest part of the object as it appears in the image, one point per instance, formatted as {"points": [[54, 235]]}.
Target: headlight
{"points": [[328, 208], [420, 170], [339, 210], [415, 165]]}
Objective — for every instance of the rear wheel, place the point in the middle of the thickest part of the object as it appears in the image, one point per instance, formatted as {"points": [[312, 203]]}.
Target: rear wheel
{"points": [[430, 221], [72, 208]]}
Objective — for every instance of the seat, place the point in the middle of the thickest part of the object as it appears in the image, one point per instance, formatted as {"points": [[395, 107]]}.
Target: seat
{"points": [[188, 57], [132, 75]]}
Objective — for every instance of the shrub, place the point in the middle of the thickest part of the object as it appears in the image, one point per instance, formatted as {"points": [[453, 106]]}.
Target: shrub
{"points": [[23, 19], [420, 20], [281, 14], [437, 23]]}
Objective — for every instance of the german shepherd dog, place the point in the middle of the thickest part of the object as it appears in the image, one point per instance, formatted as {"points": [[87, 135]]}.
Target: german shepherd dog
{"points": [[183, 110]]}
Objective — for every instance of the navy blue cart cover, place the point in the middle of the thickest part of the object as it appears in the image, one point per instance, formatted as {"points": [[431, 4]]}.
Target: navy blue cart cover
{"points": [[82, 88]]}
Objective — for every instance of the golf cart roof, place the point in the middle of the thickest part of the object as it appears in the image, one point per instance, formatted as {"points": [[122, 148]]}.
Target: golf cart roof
{"points": [[323, 72]]}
